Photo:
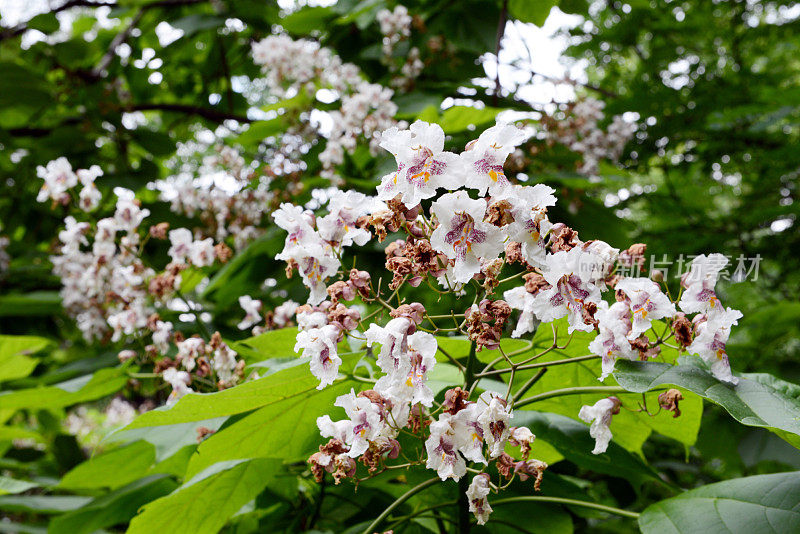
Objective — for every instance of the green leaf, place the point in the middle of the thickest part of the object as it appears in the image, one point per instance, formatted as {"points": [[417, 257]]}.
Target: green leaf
{"points": [[42, 504], [260, 130], [90, 387], [285, 429], [757, 400], [308, 19], [127, 463], [534, 11], [35, 302], [197, 22], [292, 382], [11, 485], [572, 439], [272, 344], [205, 503], [461, 118], [113, 508], [45, 23], [750, 505], [15, 361], [630, 429]]}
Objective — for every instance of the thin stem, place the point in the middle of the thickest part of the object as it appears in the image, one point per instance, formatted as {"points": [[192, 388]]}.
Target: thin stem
{"points": [[570, 391], [400, 500], [463, 484], [572, 502], [538, 365], [529, 384], [452, 360]]}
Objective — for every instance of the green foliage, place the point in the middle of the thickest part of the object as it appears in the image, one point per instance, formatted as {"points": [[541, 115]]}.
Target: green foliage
{"points": [[757, 400], [763, 503], [713, 166]]}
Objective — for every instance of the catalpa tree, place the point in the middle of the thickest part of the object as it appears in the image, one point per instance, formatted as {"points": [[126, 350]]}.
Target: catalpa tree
{"points": [[366, 288]]}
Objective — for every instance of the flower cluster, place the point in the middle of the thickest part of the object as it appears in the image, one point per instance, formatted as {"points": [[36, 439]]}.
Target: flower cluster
{"points": [[366, 109], [104, 280], [580, 131], [229, 195], [396, 28], [60, 180], [113, 294], [476, 222]]}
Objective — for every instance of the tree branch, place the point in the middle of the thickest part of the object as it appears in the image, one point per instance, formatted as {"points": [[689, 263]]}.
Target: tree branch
{"points": [[207, 113], [19, 29], [501, 29]]}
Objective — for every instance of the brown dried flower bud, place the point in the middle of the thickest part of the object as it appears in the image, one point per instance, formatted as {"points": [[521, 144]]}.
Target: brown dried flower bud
{"points": [[159, 231], [455, 400], [223, 252], [535, 282], [669, 401], [682, 328]]}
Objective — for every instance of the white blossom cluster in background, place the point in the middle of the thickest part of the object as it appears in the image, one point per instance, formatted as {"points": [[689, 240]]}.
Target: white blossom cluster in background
{"points": [[396, 28], [580, 132], [365, 109], [225, 192], [90, 426], [113, 294], [104, 281], [462, 239]]}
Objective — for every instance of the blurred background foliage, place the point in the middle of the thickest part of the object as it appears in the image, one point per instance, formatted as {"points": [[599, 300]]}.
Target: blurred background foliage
{"points": [[713, 167]]}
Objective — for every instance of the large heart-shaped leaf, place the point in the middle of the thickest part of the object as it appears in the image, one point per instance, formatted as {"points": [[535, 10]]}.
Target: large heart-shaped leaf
{"points": [[750, 505], [205, 503], [757, 400]]}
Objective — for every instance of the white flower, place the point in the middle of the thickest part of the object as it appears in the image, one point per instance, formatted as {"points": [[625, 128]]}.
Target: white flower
{"points": [[365, 419], [344, 208], [568, 272], [179, 380], [89, 197], [181, 244], [128, 213], [462, 235], [334, 429], [73, 236], [494, 420], [422, 166], [297, 222], [308, 319], [127, 321], [484, 158], [409, 386], [162, 335], [699, 281], [612, 342], [599, 415], [647, 303], [393, 358], [88, 176], [442, 449], [285, 313], [251, 308], [58, 179], [189, 350], [520, 299], [320, 345], [712, 332], [477, 492], [315, 268], [201, 252], [531, 225], [470, 432], [223, 360]]}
